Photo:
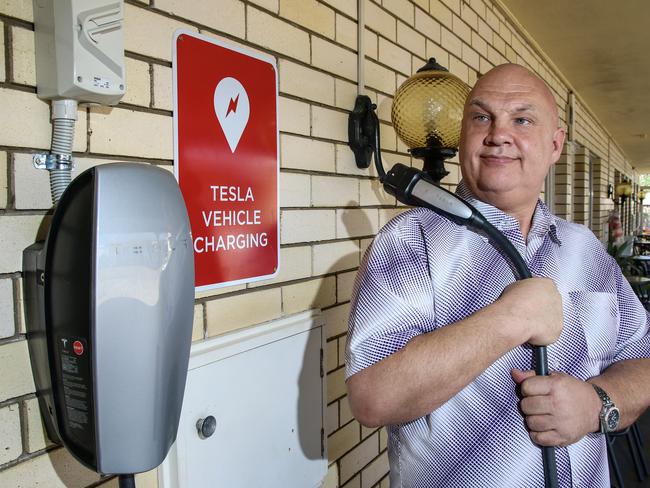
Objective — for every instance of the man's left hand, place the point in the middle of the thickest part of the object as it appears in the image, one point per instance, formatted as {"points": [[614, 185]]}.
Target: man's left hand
{"points": [[559, 409]]}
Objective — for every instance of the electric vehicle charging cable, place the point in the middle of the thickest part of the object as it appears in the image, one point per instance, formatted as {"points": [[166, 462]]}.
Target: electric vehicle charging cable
{"points": [[413, 187]]}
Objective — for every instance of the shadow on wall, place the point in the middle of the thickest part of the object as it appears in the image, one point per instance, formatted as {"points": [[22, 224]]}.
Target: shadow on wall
{"points": [[335, 387], [71, 473]]}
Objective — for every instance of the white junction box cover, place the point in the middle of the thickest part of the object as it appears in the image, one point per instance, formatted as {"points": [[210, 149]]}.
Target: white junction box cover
{"points": [[265, 387], [80, 50]]}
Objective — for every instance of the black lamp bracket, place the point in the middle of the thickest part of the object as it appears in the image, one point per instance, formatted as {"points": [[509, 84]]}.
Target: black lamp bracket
{"points": [[361, 130], [363, 139], [363, 133]]}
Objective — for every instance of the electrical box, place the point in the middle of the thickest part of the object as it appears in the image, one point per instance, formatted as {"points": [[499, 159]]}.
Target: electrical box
{"points": [[80, 50]]}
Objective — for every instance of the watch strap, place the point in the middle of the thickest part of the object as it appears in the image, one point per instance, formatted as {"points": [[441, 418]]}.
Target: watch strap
{"points": [[604, 397], [607, 404]]}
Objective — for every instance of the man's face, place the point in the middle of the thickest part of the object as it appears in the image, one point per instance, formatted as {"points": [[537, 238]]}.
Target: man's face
{"points": [[509, 138]]}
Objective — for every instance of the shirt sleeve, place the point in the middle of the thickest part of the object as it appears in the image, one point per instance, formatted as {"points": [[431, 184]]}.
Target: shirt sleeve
{"points": [[633, 341], [392, 300]]}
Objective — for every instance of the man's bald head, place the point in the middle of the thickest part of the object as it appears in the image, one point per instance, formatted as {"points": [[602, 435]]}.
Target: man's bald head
{"points": [[510, 137], [515, 74]]}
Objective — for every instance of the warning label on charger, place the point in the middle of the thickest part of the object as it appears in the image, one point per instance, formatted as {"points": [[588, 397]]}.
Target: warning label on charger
{"points": [[75, 377]]}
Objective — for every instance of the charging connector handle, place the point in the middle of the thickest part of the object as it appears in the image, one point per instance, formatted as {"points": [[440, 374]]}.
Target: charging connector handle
{"points": [[412, 187]]}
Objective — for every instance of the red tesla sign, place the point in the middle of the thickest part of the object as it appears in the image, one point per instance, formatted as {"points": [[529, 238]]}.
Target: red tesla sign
{"points": [[226, 158]]}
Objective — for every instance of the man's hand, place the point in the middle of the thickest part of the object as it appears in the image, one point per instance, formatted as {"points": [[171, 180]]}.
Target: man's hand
{"points": [[559, 409], [534, 308]]}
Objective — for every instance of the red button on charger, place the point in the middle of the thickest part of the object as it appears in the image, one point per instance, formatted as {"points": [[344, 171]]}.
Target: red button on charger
{"points": [[78, 348]]}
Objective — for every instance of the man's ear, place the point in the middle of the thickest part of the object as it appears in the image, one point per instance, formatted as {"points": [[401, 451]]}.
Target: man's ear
{"points": [[558, 143]]}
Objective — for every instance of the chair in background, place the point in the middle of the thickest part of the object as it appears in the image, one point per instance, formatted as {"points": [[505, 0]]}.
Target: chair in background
{"points": [[635, 446]]}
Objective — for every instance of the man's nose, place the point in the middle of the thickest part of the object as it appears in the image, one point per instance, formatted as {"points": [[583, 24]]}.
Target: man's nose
{"points": [[498, 134]]}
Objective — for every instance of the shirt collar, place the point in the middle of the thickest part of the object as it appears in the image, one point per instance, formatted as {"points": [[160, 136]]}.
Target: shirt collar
{"points": [[544, 222]]}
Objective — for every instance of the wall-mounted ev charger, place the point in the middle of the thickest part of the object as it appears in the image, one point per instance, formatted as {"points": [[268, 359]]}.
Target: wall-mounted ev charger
{"points": [[109, 305]]}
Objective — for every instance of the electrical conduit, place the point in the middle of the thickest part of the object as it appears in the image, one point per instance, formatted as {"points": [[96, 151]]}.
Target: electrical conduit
{"points": [[64, 116]]}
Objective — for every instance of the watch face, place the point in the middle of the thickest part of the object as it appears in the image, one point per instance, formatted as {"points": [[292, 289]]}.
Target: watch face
{"points": [[612, 419]]}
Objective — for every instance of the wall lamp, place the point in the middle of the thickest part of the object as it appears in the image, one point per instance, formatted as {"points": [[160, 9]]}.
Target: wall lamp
{"points": [[623, 191], [641, 195], [426, 114]]}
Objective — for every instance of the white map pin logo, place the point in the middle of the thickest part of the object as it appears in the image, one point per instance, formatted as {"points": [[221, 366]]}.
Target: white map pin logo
{"points": [[232, 109]]}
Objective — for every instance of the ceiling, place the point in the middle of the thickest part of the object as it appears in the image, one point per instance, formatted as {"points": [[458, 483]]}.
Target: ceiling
{"points": [[602, 49]]}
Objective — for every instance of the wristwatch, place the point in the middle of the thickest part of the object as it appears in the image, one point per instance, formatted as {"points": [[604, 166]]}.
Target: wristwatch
{"points": [[609, 414]]}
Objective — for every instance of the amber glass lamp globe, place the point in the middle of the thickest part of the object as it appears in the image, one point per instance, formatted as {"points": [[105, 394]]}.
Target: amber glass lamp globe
{"points": [[427, 112]]}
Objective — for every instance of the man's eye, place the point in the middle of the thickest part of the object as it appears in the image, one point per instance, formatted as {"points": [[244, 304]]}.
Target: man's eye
{"points": [[481, 118], [522, 121]]}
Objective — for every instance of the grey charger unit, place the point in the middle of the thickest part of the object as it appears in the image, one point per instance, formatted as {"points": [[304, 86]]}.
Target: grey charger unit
{"points": [[109, 300]]}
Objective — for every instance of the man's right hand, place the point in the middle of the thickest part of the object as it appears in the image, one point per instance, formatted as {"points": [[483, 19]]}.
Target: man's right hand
{"points": [[533, 307]]}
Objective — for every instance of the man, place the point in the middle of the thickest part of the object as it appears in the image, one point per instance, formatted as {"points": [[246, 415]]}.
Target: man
{"points": [[438, 348]]}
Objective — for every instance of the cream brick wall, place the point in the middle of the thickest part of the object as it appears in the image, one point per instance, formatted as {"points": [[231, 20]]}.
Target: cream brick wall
{"points": [[358, 457], [30, 121], [333, 191], [293, 116], [228, 18], [16, 233], [10, 442], [162, 87], [24, 66], [4, 194], [128, 132], [310, 14], [36, 438], [19, 9], [305, 153], [335, 256], [16, 380], [234, 312], [277, 35], [7, 322], [307, 225], [138, 79], [306, 83], [337, 320], [330, 208], [155, 39], [317, 293]]}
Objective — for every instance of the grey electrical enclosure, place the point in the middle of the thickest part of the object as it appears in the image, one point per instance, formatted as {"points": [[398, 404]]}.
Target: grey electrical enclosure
{"points": [[109, 305], [80, 50]]}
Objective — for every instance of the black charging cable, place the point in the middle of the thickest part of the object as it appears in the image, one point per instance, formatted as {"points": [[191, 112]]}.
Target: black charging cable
{"points": [[413, 187], [126, 481]]}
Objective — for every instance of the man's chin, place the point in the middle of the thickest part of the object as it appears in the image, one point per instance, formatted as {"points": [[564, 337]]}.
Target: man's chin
{"points": [[496, 186]]}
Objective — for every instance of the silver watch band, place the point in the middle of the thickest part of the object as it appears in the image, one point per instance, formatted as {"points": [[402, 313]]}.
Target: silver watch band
{"points": [[604, 397], [608, 411]]}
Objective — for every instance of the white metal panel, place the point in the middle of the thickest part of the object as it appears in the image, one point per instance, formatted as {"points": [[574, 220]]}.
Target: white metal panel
{"points": [[264, 387]]}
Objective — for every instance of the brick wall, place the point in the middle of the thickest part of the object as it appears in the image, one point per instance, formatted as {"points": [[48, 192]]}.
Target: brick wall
{"points": [[564, 170], [581, 188], [330, 208]]}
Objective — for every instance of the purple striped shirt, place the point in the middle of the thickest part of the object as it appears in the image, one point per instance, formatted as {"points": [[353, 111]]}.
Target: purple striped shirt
{"points": [[423, 272]]}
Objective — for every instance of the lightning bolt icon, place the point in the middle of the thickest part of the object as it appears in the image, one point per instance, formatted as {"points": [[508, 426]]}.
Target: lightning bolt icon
{"points": [[232, 106]]}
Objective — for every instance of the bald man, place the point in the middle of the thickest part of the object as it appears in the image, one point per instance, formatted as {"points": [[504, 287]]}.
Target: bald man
{"points": [[438, 345]]}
